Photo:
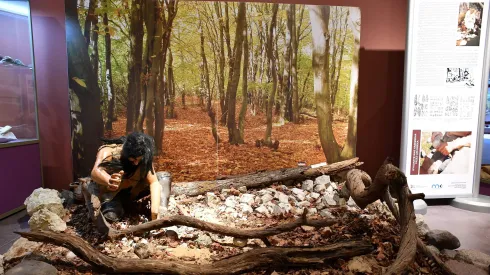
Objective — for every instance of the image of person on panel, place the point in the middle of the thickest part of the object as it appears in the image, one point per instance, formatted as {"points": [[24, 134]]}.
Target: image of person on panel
{"points": [[123, 173], [449, 153]]}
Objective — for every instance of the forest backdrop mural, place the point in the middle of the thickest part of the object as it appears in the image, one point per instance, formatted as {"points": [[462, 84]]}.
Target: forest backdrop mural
{"points": [[224, 88]]}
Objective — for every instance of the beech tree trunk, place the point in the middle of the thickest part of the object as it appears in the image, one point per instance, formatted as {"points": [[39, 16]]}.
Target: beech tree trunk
{"points": [[221, 57], [86, 140], [171, 85], [243, 109], [135, 63], [90, 21], [294, 66], [319, 16], [108, 73], [234, 75], [286, 78], [273, 70], [349, 149]]}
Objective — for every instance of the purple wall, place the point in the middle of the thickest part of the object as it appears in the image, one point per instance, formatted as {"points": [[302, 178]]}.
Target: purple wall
{"points": [[20, 175], [48, 21]]}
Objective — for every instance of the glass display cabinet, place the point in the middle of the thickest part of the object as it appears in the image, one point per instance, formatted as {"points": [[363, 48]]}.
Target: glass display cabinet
{"points": [[20, 163]]}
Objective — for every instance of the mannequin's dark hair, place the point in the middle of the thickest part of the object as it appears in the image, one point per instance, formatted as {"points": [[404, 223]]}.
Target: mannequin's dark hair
{"points": [[134, 145]]}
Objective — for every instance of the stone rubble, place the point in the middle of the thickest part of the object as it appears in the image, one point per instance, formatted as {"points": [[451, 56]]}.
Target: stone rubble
{"points": [[44, 219], [48, 199]]}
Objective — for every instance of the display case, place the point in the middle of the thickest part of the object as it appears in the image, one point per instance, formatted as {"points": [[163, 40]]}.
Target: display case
{"points": [[18, 114], [20, 160]]}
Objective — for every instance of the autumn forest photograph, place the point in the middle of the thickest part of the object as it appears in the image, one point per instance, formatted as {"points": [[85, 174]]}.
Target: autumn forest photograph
{"points": [[224, 88]]}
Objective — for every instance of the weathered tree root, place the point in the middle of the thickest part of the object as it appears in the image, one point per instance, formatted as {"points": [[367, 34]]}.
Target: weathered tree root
{"points": [[279, 257], [262, 178], [421, 247], [364, 192], [259, 233]]}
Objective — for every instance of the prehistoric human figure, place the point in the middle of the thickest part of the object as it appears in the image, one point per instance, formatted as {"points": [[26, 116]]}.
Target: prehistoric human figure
{"points": [[123, 172]]}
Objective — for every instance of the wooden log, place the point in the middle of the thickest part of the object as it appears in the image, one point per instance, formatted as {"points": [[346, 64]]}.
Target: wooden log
{"points": [[258, 233], [262, 178], [270, 257]]}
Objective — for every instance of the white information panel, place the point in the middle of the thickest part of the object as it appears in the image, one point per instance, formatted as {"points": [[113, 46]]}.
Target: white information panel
{"points": [[446, 68]]}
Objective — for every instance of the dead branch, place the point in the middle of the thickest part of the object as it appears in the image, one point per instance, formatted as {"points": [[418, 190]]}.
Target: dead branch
{"points": [[251, 260], [259, 233], [262, 178]]}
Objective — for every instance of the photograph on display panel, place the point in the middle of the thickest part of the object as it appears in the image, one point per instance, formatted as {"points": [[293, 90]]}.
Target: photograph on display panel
{"points": [[469, 24], [224, 88], [445, 152]]}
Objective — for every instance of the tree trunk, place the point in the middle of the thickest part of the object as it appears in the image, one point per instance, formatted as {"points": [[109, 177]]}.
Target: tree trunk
{"points": [[286, 78], [108, 73], [294, 66], [154, 54], [171, 8], [207, 86], [234, 75], [135, 63], [171, 85], [86, 140], [259, 179], [335, 86], [243, 109], [319, 16], [90, 20], [349, 149], [272, 63], [221, 55]]}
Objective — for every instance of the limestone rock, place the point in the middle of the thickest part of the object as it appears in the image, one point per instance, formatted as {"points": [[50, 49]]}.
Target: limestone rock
{"points": [[325, 180], [46, 220], [21, 248], [307, 185], [298, 193], [314, 195], [283, 198], [212, 200], [364, 264], [462, 268], [442, 239], [321, 187], [204, 239], [266, 198], [475, 257], [262, 209], [326, 214], [29, 267], [246, 209], [247, 199], [422, 227], [45, 199]]}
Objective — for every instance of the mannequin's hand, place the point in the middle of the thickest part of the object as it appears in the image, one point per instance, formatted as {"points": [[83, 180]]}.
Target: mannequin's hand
{"points": [[115, 181]]}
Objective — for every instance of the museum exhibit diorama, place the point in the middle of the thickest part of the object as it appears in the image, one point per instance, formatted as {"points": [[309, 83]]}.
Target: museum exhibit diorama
{"points": [[217, 137]]}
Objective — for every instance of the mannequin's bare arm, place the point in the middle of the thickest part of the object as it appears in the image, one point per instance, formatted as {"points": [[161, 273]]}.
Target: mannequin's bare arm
{"points": [[99, 175], [154, 194]]}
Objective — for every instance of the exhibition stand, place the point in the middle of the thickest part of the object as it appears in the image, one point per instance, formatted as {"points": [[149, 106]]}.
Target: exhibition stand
{"points": [[445, 97]]}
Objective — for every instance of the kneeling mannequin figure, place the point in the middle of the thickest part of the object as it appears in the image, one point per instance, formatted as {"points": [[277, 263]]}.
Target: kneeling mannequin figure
{"points": [[124, 172]]}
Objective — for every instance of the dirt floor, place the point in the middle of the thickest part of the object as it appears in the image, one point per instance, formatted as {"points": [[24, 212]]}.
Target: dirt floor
{"points": [[191, 154]]}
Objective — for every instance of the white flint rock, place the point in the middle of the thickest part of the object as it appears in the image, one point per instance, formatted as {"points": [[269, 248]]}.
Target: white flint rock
{"points": [[276, 210], [307, 185], [242, 189], [283, 198], [422, 227], [325, 179], [21, 248], [325, 213], [44, 199], [246, 209], [70, 255], [266, 198], [231, 202], [262, 209], [46, 220], [320, 206], [212, 200], [314, 195], [304, 204], [321, 187], [329, 200], [298, 193], [285, 206], [247, 199]]}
